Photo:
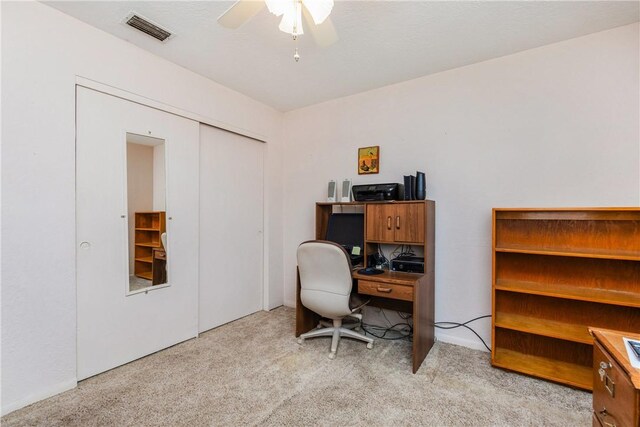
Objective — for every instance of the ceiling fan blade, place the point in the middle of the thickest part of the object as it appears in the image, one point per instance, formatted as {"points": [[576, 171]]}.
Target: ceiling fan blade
{"points": [[324, 34], [240, 12]]}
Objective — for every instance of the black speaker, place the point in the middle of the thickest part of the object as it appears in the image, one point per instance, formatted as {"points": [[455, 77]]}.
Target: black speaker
{"points": [[421, 186], [407, 187], [412, 183]]}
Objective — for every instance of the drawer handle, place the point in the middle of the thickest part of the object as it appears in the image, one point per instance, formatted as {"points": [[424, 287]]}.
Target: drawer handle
{"points": [[610, 385], [385, 290], [398, 222], [604, 414], [388, 223]]}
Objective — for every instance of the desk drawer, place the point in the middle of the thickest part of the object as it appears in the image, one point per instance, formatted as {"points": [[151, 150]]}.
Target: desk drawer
{"points": [[385, 290], [614, 396]]}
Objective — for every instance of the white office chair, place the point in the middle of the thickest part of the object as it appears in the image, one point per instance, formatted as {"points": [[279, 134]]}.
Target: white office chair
{"points": [[325, 288]]}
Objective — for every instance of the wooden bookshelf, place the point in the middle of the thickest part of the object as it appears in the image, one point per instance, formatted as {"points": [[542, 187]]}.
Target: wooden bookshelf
{"points": [[149, 226], [556, 272]]}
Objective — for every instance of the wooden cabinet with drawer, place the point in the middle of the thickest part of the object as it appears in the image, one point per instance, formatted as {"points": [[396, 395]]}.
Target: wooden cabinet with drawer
{"points": [[616, 383]]}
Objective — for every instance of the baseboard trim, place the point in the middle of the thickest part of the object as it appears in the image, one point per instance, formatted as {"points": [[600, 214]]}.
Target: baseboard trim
{"points": [[36, 397], [451, 339]]}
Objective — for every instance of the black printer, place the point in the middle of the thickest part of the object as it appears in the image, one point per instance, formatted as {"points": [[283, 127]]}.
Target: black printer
{"points": [[377, 192]]}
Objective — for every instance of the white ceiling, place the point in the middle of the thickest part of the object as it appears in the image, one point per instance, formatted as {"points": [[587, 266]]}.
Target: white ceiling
{"points": [[380, 42]]}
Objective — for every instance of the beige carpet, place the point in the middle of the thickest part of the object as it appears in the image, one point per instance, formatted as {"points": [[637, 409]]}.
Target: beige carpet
{"points": [[253, 372], [136, 283]]}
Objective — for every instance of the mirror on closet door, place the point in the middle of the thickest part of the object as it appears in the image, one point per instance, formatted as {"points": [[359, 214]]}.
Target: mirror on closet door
{"points": [[146, 204]]}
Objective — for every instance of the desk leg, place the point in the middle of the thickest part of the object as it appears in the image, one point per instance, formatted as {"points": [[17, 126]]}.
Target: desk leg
{"points": [[423, 318], [306, 319]]}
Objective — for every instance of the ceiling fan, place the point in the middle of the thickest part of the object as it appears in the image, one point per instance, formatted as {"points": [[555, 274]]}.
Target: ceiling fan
{"points": [[314, 12]]}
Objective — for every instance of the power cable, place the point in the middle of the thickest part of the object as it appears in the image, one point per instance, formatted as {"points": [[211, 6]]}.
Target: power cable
{"points": [[458, 325]]}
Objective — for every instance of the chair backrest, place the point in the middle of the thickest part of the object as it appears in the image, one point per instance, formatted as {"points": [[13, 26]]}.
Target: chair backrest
{"points": [[325, 278]]}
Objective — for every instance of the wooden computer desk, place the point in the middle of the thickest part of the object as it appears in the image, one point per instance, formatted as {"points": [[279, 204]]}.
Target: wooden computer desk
{"points": [[410, 222]]}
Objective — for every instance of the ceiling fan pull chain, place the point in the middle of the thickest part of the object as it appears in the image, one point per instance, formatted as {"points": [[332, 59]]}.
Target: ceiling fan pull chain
{"points": [[298, 4]]}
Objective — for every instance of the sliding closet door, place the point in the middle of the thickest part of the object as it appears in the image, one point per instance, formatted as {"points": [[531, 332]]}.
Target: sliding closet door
{"points": [[231, 227], [124, 313]]}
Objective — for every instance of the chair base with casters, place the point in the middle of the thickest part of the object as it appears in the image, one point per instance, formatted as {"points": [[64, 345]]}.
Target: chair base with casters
{"points": [[337, 331]]}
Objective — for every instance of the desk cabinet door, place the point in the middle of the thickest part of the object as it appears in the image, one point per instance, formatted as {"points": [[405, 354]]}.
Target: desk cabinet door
{"points": [[380, 222], [408, 223]]}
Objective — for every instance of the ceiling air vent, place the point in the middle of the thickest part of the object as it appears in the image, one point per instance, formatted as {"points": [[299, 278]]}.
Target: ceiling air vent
{"points": [[141, 23]]}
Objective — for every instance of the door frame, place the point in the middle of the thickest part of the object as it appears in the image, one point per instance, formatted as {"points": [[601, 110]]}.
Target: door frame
{"points": [[138, 99]]}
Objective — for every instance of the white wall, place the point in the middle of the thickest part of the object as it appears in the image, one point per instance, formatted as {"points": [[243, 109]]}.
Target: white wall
{"points": [[552, 126], [43, 51]]}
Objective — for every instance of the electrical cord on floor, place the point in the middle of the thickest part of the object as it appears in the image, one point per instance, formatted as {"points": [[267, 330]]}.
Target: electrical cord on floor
{"points": [[405, 316], [405, 333], [386, 318], [458, 325]]}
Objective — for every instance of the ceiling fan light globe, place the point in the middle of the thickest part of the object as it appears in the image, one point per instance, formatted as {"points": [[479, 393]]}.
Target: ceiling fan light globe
{"points": [[318, 9], [291, 22], [277, 7]]}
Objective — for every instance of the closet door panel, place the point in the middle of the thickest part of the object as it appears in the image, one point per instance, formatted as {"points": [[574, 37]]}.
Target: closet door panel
{"points": [[231, 227], [116, 325]]}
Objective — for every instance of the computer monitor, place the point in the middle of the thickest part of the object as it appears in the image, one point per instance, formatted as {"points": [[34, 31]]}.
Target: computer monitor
{"points": [[346, 229]]}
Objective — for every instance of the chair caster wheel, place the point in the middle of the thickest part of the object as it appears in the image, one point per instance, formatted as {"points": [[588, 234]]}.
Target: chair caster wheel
{"points": [[300, 341], [332, 355], [370, 345]]}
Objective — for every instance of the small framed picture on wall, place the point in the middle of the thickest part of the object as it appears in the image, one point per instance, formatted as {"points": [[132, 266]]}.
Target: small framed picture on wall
{"points": [[368, 160]]}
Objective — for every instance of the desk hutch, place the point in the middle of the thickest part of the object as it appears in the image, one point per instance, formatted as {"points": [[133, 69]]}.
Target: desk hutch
{"points": [[398, 222]]}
